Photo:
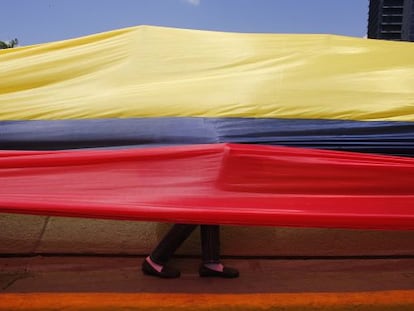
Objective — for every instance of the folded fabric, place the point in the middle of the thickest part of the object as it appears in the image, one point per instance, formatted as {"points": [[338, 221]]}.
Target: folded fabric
{"points": [[214, 184]]}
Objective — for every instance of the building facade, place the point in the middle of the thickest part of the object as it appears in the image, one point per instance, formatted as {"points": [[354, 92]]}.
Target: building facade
{"points": [[391, 20]]}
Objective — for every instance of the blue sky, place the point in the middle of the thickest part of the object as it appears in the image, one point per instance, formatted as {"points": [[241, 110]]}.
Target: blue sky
{"points": [[38, 21]]}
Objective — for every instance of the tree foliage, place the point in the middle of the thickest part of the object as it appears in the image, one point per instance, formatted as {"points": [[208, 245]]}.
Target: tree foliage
{"points": [[9, 44]]}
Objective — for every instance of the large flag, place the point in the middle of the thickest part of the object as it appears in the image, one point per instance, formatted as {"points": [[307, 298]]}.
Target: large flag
{"points": [[177, 119]]}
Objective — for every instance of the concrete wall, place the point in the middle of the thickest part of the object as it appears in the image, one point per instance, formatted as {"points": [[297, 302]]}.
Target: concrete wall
{"points": [[26, 234]]}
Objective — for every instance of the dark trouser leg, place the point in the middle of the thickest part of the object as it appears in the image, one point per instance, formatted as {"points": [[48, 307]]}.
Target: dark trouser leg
{"points": [[210, 243], [171, 242]]}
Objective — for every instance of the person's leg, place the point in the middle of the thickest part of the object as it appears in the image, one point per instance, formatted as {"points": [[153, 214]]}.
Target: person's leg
{"points": [[210, 245], [154, 264]]}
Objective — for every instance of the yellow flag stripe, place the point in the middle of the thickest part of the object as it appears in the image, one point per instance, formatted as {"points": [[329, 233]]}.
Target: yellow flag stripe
{"points": [[163, 72]]}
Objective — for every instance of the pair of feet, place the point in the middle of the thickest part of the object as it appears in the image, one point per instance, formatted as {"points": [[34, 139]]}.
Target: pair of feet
{"points": [[206, 270]]}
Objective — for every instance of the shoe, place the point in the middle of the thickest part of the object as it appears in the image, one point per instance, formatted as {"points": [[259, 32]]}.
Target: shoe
{"points": [[166, 272], [227, 273]]}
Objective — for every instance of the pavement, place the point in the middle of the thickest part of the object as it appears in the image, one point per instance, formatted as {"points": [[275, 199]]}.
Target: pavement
{"points": [[116, 283]]}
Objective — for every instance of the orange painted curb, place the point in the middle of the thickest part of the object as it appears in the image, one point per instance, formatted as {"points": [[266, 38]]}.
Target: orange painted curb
{"points": [[87, 301]]}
